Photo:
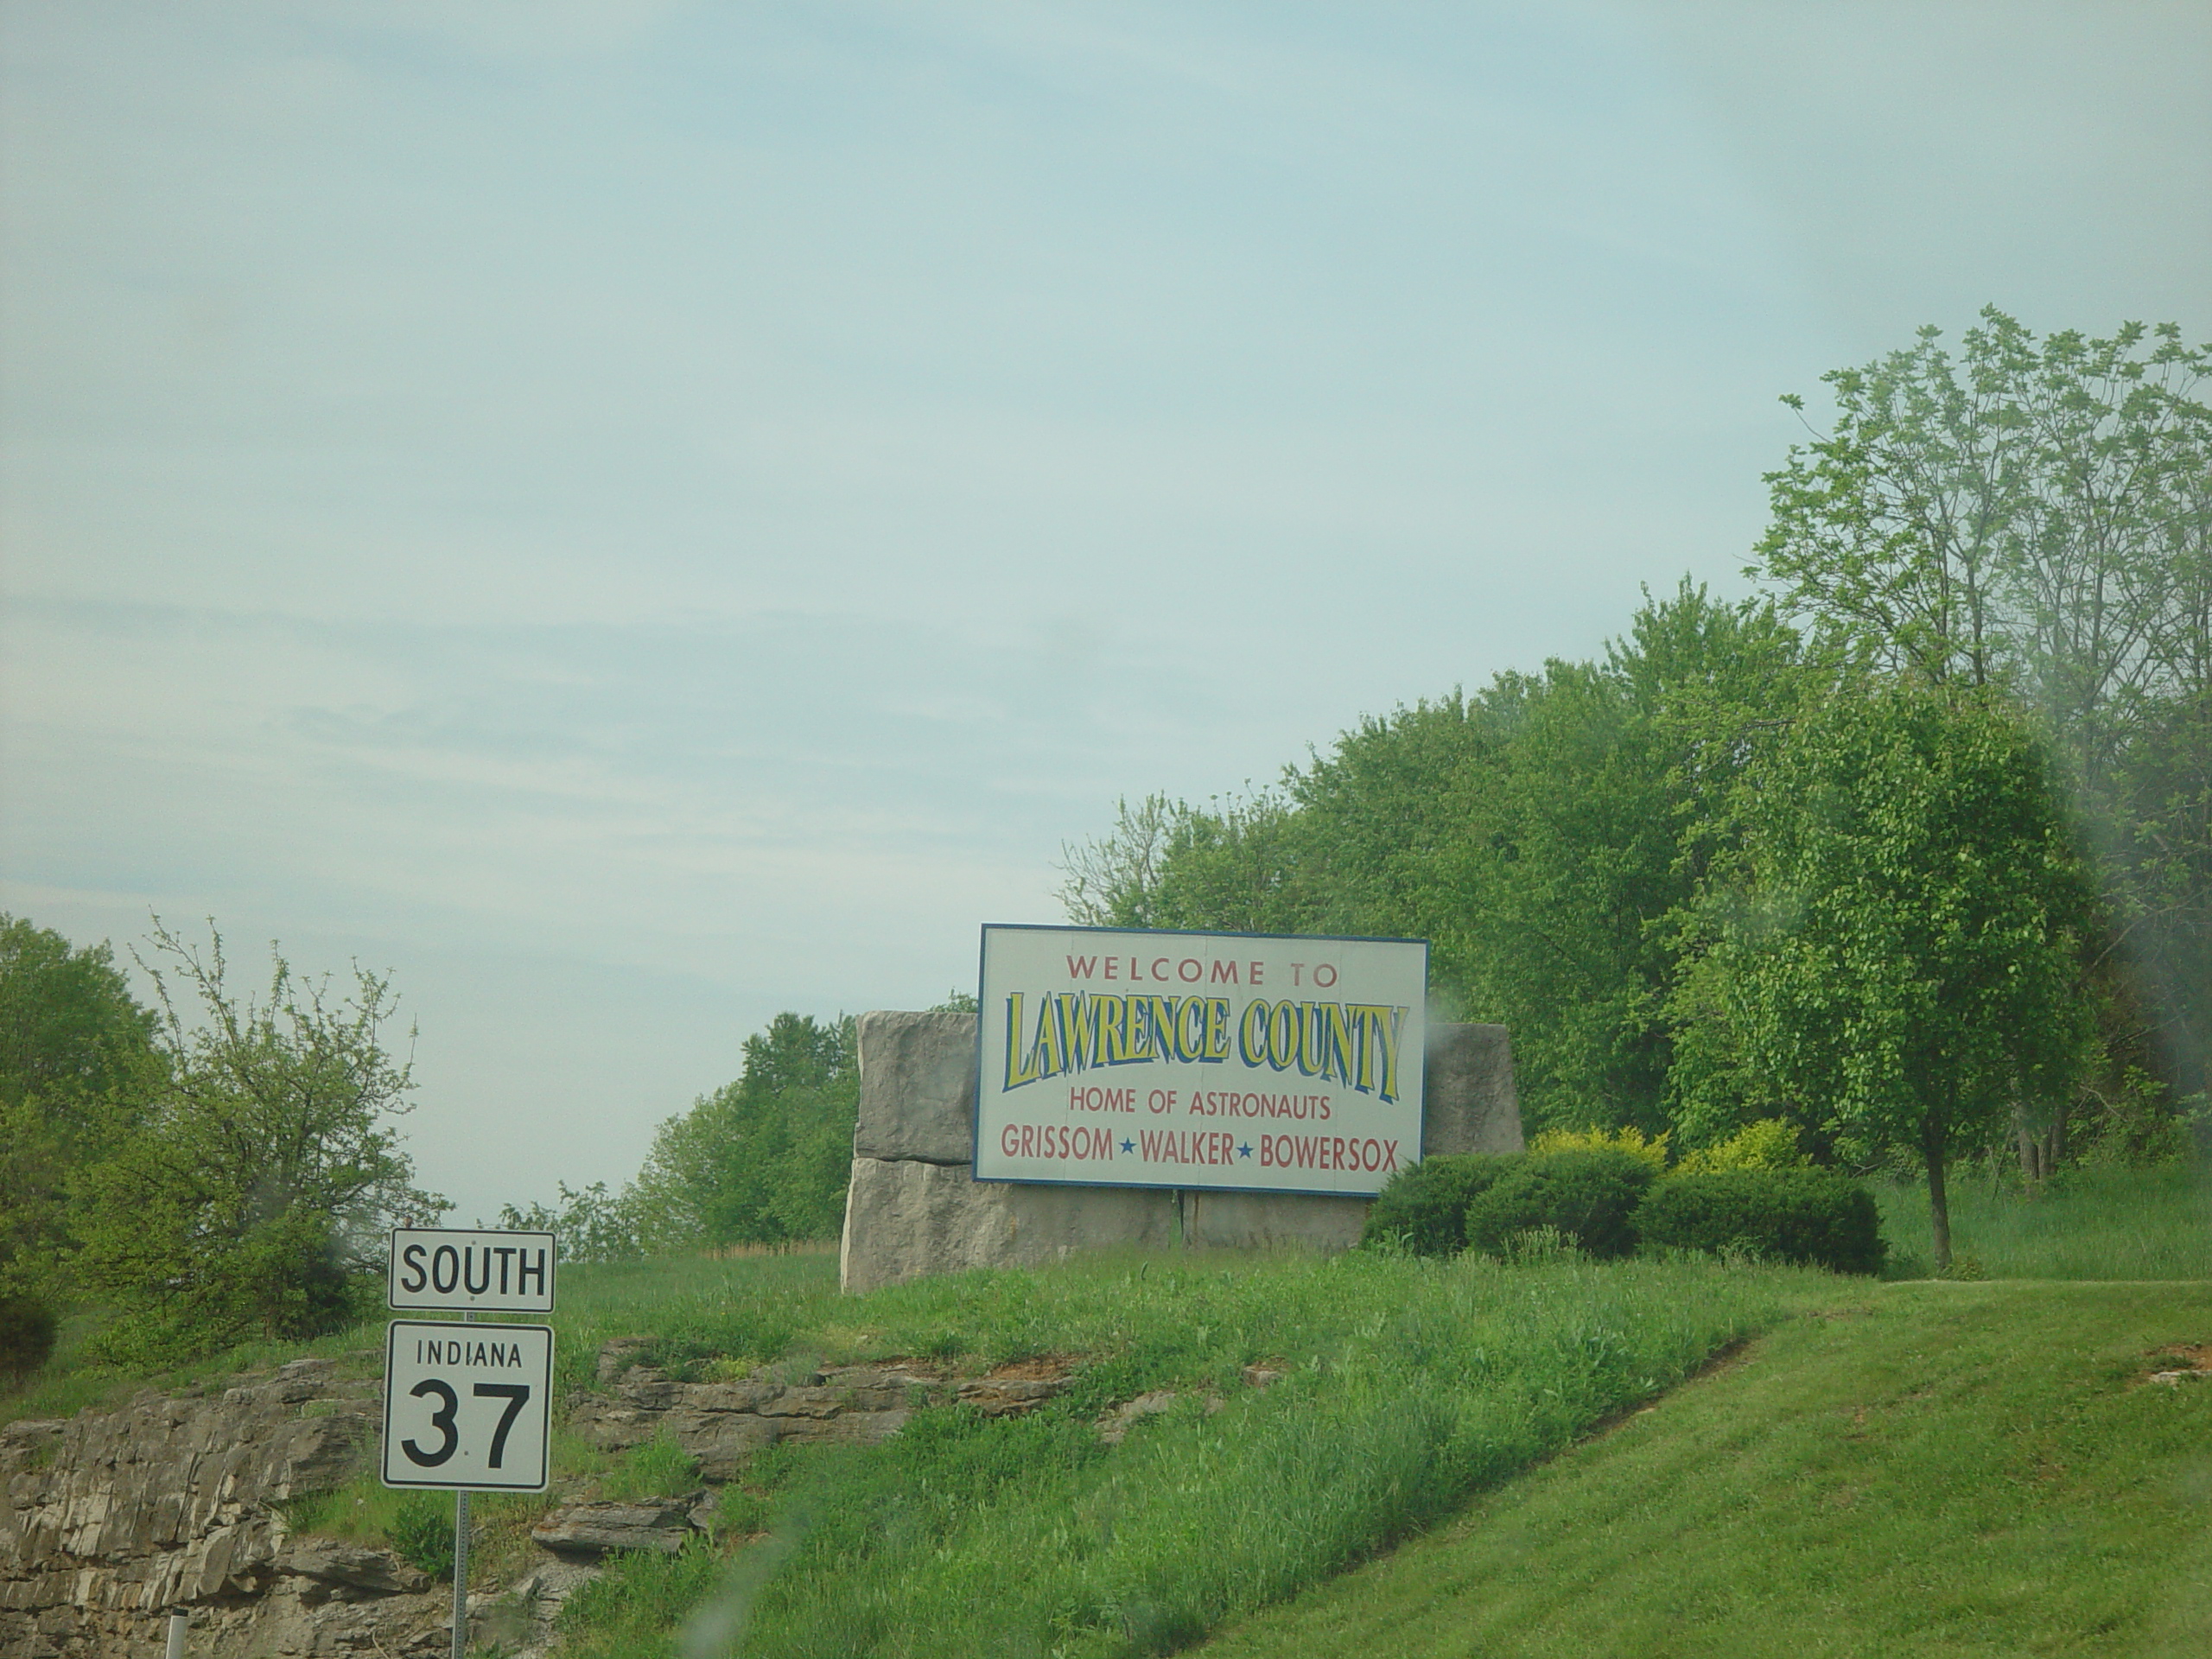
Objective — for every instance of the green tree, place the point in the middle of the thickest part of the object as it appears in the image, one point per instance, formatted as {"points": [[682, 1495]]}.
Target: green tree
{"points": [[2036, 514], [1893, 945], [76, 1057], [265, 1167], [763, 1160], [1538, 833]]}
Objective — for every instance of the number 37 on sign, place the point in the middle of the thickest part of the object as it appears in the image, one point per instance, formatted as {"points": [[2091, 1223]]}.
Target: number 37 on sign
{"points": [[466, 1406]]}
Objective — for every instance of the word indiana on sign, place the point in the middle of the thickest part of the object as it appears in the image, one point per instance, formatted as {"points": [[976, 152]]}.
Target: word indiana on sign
{"points": [[1229, 1061], [464, 1272], [467, 1406]]}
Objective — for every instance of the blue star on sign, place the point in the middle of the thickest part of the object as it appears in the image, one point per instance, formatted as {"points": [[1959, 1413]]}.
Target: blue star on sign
{"points": [[1245, 1151], [1128, 1146]]}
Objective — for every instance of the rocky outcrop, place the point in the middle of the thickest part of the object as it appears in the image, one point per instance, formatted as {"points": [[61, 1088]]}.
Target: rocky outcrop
{"points": [[721, 1424], [113, 1518]]}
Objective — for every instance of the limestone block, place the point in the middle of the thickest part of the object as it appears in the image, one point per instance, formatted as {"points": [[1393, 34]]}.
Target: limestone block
{"points": [[1248, 1221], [588, 1531], [906, 1218], [348, 1572], [1468, 1104], [918, 1087]]}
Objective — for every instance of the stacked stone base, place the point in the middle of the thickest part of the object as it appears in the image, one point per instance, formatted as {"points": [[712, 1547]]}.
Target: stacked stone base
{"points": [[913, 1208]]}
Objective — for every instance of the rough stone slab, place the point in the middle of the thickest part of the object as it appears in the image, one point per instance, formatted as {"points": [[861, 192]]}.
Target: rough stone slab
{"points": [[904, 1218], [1468, 1100], [918, 1087], [588, 1531], [350, 1572], [1252, 1221]]}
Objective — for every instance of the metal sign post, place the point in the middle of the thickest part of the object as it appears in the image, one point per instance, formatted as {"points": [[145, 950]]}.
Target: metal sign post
{"points": [[468, 1407]]}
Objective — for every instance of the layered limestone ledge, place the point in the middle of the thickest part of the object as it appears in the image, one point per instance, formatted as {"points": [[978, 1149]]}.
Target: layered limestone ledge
{"points": [[913, 1208]]}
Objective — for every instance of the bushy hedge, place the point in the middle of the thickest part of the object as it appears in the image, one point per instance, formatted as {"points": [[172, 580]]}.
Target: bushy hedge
{"points": [[1423, 1208], [1811, 1216], [27, 1333], [1589, 1198]]}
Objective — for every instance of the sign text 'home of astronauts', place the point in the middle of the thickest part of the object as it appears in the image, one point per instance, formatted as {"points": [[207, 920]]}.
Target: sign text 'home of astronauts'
{"points": [[1228, 1060]]}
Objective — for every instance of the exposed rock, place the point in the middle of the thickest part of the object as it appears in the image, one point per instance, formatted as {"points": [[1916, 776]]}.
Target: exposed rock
{"points": [[906, 1218], [348, 1572], [1264, 1375], [1115, 1426], [1259, 1221], [918, 1088], [723, 1424], [588, 1531], [1468, 1100], [520, 1621], [616, 1358], [112, 1518]]}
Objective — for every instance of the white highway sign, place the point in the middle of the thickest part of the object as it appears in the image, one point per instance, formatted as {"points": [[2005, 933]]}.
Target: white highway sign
{"points": [[457, 1270], [466, 1406]]}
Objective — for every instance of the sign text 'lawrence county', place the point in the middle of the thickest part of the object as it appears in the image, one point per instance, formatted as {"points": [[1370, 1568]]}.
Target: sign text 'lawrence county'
{"points": [[1259, 1062], [467, 1406], [471, 1272]]}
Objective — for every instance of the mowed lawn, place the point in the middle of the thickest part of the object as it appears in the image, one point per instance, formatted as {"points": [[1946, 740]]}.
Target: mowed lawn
{"points": [[1919, 1469]]}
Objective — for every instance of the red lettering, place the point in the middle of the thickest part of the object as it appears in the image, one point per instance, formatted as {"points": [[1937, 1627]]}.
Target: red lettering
{"points": [[1009, 1143], [1252, 974], [1111, 964], [1224, 973], [1080, 967], [1159, 968], [1189, 970]]}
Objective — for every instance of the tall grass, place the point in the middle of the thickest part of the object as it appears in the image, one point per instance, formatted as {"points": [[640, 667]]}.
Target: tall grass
{"points": [[1409, 1385], [2085, 1224]]}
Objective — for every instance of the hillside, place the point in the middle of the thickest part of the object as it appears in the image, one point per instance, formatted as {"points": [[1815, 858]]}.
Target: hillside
{"points": [[1932, 1469]]}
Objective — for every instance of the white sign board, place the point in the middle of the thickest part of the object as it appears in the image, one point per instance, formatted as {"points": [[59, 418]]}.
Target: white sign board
{"points": [[1237, 1061], [459, 1271], [466, 1406]]}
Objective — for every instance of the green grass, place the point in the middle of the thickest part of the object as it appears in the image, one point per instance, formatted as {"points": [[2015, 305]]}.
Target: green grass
{"points": [[1927, 1469], [2087, 1223], [1411, 1383]]}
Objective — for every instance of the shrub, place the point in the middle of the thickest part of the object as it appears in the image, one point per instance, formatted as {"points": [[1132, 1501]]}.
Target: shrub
{"points": [[421, 1533], [27, 1333], [1811, 1216], [1770, 1143], [1424, 1206], [1630, 1140], [1589, 1196]]}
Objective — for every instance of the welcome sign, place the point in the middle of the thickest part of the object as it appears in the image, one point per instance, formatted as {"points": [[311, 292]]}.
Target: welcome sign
{"points": [[1237, 1061]]}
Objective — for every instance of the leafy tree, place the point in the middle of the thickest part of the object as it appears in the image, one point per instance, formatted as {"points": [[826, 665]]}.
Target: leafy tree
{"points": [[265, 1165], [590, 1224], [1538, 832], [1897, 956], [2037, 515], [76, 1056], [763, 1160]]}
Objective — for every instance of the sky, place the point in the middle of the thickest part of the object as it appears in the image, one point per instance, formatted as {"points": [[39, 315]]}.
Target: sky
{"points": [[635, 517]]}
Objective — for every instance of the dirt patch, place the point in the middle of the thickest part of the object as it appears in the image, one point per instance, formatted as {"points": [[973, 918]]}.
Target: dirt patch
{"points": [[1038, 1367], [2180, 1363]]}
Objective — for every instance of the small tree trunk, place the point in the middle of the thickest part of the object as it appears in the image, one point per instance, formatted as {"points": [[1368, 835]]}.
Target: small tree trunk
{"points": [[1939, 1203], [2031, 1156]]}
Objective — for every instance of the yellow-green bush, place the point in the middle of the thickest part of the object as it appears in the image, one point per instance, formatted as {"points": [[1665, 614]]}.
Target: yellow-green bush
{"points": [[1770, 1143], [1631, 1141]]}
